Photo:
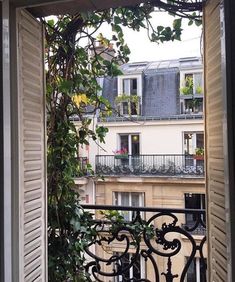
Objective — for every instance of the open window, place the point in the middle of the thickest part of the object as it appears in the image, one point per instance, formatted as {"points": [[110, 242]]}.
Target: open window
{"points": [[191, 92], [128, 100]]}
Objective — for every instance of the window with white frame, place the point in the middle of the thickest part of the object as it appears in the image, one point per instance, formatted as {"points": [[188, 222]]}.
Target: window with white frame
{"points": [[196, 271], [191, 91], [130, 199], [192, 141], [129, 95], [136, 272], [131, 143], [191, 83]]}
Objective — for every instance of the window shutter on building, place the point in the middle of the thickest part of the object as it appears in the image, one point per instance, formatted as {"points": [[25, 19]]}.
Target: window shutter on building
{"points": [[32, 168], [216, 162]]}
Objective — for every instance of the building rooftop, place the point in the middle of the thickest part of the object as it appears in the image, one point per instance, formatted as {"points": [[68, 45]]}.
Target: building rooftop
{"points": [[181, 63]]}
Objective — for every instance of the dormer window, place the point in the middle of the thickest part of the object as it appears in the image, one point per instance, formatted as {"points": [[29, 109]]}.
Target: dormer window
{"points": [[130, 86], [128, 100], [191, 83], [191, 92]]}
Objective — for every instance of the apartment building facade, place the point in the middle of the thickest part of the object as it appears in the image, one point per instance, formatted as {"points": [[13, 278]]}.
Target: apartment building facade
{"points": [[150, 157]]}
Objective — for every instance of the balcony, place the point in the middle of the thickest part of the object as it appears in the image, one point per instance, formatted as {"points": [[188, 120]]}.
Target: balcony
{"points": [[154, 245], [152, 165]]}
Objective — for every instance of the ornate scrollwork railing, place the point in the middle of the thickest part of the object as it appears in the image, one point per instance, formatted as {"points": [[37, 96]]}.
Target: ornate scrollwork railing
{"points": [[156, 165], [154, 246]]}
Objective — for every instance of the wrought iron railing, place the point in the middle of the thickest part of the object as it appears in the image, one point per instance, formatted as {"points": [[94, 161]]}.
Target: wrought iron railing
{"points": [[153, 246], [158, 165]]}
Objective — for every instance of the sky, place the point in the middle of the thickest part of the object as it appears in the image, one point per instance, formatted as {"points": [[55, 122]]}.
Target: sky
{"points": [[144, 50]]}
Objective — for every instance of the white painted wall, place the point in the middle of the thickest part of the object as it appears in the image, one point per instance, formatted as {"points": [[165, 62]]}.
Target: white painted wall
{"points": [[156, 137]]}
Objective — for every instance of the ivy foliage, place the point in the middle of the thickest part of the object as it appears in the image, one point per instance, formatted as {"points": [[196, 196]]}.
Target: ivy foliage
{"points": [[74, 65]]}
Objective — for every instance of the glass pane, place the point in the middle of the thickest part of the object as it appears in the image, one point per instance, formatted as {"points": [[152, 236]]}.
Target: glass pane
{"points": [[189, 82], [198, 83], [202, 270], [135, 145], [125, 199], [188, 143], [126, 86], [134, 108], [124, 144], [135, 199], [191, 274], [192, 201], [200, 140], [125, 110], [133, 86]]}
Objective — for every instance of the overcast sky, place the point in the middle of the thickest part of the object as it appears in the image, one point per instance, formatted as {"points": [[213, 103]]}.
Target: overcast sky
{"points": [[143, 50]]}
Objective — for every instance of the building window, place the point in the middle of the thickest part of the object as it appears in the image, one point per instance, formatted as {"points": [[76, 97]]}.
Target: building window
{"points": [[136, 272], [130, 142], [129, 95], [129, 199], [191, 93], [191, 83], [193, 140], [196, 271], [190, 106], [194, 201], [129, 86]]}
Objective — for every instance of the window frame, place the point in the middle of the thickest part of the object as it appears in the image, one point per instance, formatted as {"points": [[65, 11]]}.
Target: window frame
{"points": [[129, 141], [138, 93], [117, 201], [192, 72]]}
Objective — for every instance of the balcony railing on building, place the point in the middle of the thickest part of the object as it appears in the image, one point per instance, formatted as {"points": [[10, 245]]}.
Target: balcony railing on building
{"points": [[158, 165], [153, 245]]}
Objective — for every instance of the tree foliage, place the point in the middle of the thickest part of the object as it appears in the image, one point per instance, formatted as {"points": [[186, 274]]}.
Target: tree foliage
{"points": [[74, 64]]}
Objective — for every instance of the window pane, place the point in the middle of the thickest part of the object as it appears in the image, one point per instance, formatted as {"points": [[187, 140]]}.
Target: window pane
{"points": [[191, 274], [124, 144], [133, 86], [189, 82], [135, 145], [200, 140], [193, 201], [198, 81], [126, 86], [135, 199], [125, 199], [125, 108], [188, 143], [134, 108]]}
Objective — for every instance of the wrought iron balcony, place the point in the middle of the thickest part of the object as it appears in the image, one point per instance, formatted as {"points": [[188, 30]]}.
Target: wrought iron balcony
{"points": [[153, 246], [156, 165]]}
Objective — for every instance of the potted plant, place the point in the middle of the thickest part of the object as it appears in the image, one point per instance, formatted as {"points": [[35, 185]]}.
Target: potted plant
{"points": [[187, 88], [121, 154], [199, 154], [133, 102]]}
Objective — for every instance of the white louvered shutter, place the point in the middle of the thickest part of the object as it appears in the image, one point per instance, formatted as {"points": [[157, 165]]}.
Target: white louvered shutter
{"points": [[216, 191], [32, 165]]}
